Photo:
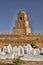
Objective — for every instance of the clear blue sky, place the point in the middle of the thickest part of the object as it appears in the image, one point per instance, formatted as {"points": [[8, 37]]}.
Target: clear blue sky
{"points": [[10, 8]]}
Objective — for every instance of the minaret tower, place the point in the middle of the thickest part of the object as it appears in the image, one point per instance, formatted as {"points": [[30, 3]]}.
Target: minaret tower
{"points": [[22, 25]]}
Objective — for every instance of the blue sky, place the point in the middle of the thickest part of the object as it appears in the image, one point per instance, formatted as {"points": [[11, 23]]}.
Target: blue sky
{"points": [[10, 8]]}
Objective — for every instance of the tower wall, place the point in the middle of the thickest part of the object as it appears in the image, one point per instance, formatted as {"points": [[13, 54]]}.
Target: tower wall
{"points": [[21, 27]]}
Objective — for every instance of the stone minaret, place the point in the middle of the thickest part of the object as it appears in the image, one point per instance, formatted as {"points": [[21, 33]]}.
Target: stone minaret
{"points": [[22, 25]]}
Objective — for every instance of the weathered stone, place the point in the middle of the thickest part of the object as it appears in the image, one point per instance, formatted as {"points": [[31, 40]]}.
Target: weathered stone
{"points": [[21, 34]]}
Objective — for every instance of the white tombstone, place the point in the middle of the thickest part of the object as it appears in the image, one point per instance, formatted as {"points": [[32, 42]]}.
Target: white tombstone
{"points": [[41, 50], [33, 52], [0, 49], [20, 51], [9, 47], [37, 50], [14, 48], [11, 56], [15, 51], [3, 53], [5, 50], [28, 48], [25, 50]]}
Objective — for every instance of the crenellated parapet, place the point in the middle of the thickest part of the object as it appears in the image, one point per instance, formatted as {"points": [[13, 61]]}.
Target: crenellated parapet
{"points": [[21, 34]]}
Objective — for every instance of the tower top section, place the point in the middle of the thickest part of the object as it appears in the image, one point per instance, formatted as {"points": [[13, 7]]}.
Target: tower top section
{"points": [[22, 25], [22, 12], [22, 15]]}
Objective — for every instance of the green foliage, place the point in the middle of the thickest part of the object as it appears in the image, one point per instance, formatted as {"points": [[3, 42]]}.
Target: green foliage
{"points": [[33, 45], [1, 64], [17, 61]]}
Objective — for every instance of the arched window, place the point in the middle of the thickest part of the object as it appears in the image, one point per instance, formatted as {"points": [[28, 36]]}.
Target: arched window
{"points": [[20, 18]]}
